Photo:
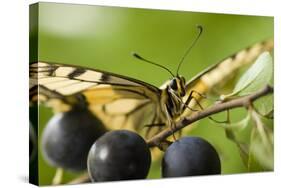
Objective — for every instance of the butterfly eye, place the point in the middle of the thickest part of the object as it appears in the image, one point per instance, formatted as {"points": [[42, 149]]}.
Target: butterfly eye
{"points": [[173, 84]]}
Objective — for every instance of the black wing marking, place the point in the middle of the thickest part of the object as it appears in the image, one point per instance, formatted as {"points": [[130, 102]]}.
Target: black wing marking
{"points": [[117, 100]]}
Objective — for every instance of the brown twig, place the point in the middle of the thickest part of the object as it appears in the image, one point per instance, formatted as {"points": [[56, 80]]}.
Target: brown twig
{"points": [[216, 108], [219, 107]]}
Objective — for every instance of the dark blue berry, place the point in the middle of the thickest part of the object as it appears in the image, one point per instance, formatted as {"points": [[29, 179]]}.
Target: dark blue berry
{"points": [[190, 156], [68, 137], [119, 155]]}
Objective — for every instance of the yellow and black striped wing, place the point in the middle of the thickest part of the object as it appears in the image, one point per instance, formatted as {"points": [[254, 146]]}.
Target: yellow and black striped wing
{"points": [[120, 102], [220, 72]]}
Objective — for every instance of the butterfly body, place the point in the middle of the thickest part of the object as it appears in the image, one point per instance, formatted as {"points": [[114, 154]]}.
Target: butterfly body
{"points": [[172, 99]]}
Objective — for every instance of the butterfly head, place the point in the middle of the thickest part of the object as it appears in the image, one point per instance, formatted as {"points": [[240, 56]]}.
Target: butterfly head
{"points": [[177, 85]]}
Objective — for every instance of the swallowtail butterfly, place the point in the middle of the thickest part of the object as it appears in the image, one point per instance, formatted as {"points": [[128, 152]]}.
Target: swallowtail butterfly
{"points": [[123, 102]]}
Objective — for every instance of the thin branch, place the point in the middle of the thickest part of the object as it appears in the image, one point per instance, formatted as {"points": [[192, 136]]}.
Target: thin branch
{"points": [[58, 177], [216, 108], [84, 178], [160, 139]]}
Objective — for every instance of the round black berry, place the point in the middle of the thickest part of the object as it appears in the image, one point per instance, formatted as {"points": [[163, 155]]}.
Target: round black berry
{"points": [[68, 137], [119, 155], [190, 156]]}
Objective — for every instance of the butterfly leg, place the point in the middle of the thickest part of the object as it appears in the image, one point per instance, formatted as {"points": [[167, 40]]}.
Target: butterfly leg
{"points": [[173, 126], [155, 125], [190, 97], [170, 123], [150, 126], [210, 117], [203, 96]]}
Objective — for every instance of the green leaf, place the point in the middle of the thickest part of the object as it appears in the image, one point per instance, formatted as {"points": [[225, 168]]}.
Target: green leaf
{"points": [[256, 149], [232, 131], [261, 153], [242, 147], [253, 164], [237, 126], [261, 144], [256, 77], [264, 105]]}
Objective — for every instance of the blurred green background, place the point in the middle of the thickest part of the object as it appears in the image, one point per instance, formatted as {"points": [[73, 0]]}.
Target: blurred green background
{"points": [[104, 37]]}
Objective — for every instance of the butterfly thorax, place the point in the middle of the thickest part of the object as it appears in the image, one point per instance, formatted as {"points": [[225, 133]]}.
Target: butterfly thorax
{"points": [[172, 97]]}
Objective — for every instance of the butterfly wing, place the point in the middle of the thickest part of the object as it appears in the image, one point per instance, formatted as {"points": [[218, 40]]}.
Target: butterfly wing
{"points": [[120, 102], [220, 72]]}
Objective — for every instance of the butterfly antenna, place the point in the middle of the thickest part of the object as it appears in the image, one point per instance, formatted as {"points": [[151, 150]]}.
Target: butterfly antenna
{"points": [[150, 62], [200, 28]]}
